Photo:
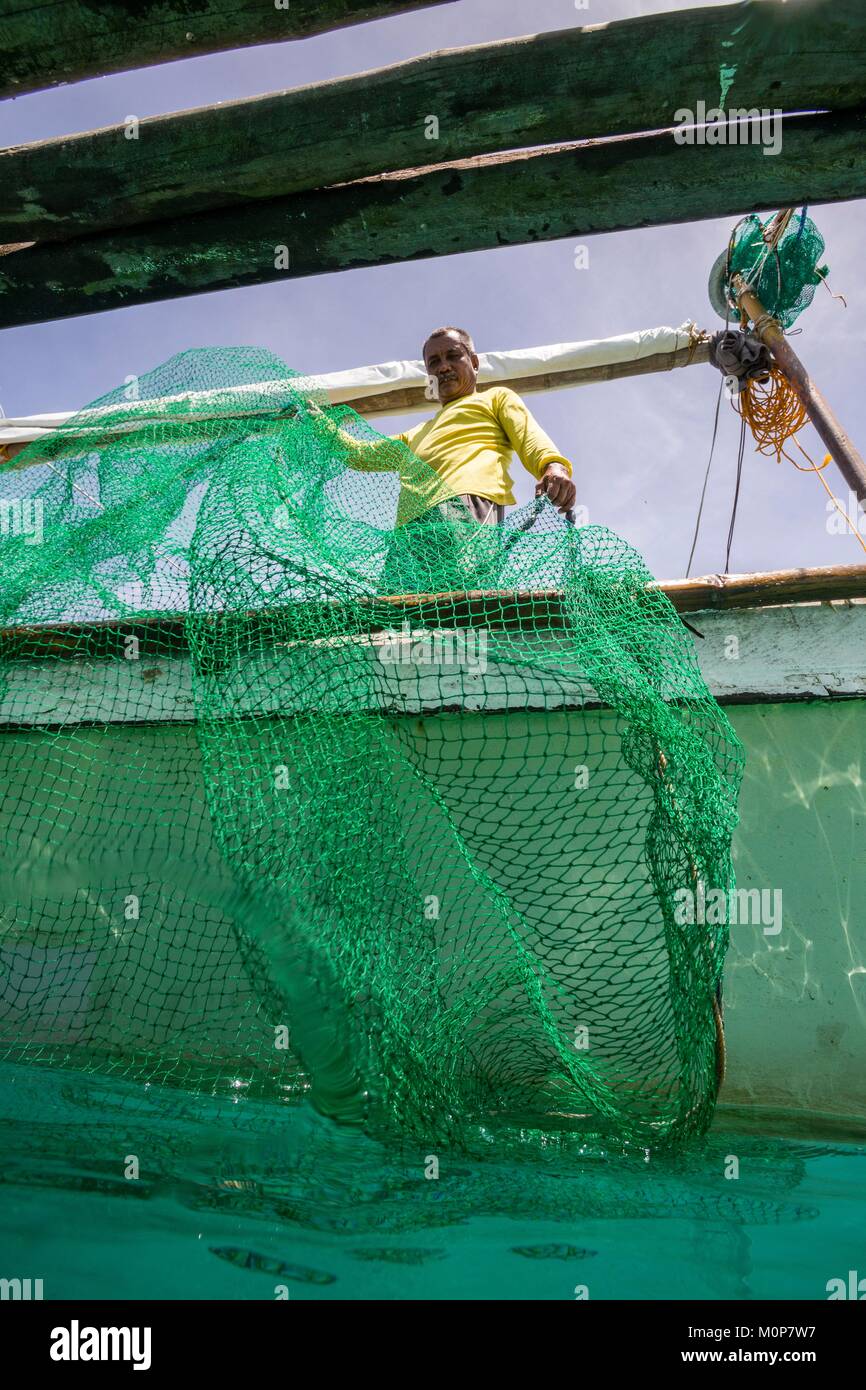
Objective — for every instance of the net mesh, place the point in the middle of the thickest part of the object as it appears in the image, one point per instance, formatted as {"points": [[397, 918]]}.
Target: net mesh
{"points": [[783, 277], [313, 786]]}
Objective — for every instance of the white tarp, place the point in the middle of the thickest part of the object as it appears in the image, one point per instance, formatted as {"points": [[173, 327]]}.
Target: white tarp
{"points": [[368, 382]]}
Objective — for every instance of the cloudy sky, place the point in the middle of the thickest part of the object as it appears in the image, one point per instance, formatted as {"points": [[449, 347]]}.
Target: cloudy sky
{"points": [[639, 446]]}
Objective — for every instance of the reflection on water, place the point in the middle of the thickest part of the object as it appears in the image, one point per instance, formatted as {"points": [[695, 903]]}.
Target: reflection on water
{"points": [[249, 1200], [802, 818]]}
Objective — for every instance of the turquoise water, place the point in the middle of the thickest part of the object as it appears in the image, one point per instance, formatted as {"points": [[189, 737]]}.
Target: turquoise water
{"points": [[298, 1208]]}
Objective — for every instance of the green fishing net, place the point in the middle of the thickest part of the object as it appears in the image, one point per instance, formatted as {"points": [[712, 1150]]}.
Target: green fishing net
{"points": [[314, 787], [783, 277]]}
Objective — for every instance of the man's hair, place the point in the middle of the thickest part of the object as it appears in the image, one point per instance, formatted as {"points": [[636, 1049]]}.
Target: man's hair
{"points": [[465, 338]]}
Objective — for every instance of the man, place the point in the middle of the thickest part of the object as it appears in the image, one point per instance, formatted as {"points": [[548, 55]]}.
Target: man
{"points": [[454, 472], [470, 441]]}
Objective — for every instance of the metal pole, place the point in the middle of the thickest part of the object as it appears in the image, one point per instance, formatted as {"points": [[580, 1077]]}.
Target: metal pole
{"points": [[838, 443]]}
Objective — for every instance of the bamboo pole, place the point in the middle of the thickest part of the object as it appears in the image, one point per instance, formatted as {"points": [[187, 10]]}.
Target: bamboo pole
{"points": [[159, 634], [404, 399], [838, 442]]}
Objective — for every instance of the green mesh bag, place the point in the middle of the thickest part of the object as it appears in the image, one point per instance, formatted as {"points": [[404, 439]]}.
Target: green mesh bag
{"points": [[783, 277], [313, 787]]}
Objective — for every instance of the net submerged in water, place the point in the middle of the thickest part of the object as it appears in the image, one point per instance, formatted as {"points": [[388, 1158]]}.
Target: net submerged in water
{"points": [[297, 800]]}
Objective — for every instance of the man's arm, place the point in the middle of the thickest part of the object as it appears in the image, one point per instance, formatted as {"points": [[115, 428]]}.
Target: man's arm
{"points": [[376, 455], [536, 450]]}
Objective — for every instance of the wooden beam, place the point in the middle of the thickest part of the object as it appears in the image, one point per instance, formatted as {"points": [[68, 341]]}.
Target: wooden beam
{"points": [[842, 450], [166, 633], [59, 683], [612, 79], [766, 588], [502, 200], [714, 591], [58, 41]]}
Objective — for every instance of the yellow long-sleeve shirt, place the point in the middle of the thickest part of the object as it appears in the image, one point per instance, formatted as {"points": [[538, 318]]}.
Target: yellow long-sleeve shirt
{"points": [[469, 445]]}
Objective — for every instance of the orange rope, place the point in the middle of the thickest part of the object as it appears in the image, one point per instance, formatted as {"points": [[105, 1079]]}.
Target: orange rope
{"points": [[773, 411], [775, 414]]}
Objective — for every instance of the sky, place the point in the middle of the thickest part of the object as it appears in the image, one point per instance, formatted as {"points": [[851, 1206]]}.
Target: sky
{"points": [[639, 446]]}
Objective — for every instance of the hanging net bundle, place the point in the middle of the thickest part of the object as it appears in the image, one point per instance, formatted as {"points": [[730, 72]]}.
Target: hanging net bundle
{"points": [[312, 786], [779, 261]]}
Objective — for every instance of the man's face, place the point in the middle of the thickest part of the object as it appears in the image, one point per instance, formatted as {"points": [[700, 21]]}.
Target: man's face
{"points": [[455, 368]]}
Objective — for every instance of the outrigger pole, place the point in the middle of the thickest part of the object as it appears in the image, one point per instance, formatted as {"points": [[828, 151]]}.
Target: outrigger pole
{"points": [[838, 442]]}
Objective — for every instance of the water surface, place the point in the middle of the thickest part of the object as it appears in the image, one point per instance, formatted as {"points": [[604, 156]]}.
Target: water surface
{"points": [[238, 1199]]}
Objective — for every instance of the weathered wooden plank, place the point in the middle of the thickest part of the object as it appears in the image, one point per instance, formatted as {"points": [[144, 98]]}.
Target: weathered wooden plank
{"points": [[543, 608], [781, 653], [55, 41], [767, 588], [611, 79], [500, 200], [164, 636]]}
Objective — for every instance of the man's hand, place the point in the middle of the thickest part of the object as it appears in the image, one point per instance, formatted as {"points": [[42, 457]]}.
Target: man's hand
{"points": [[556, 483]]}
